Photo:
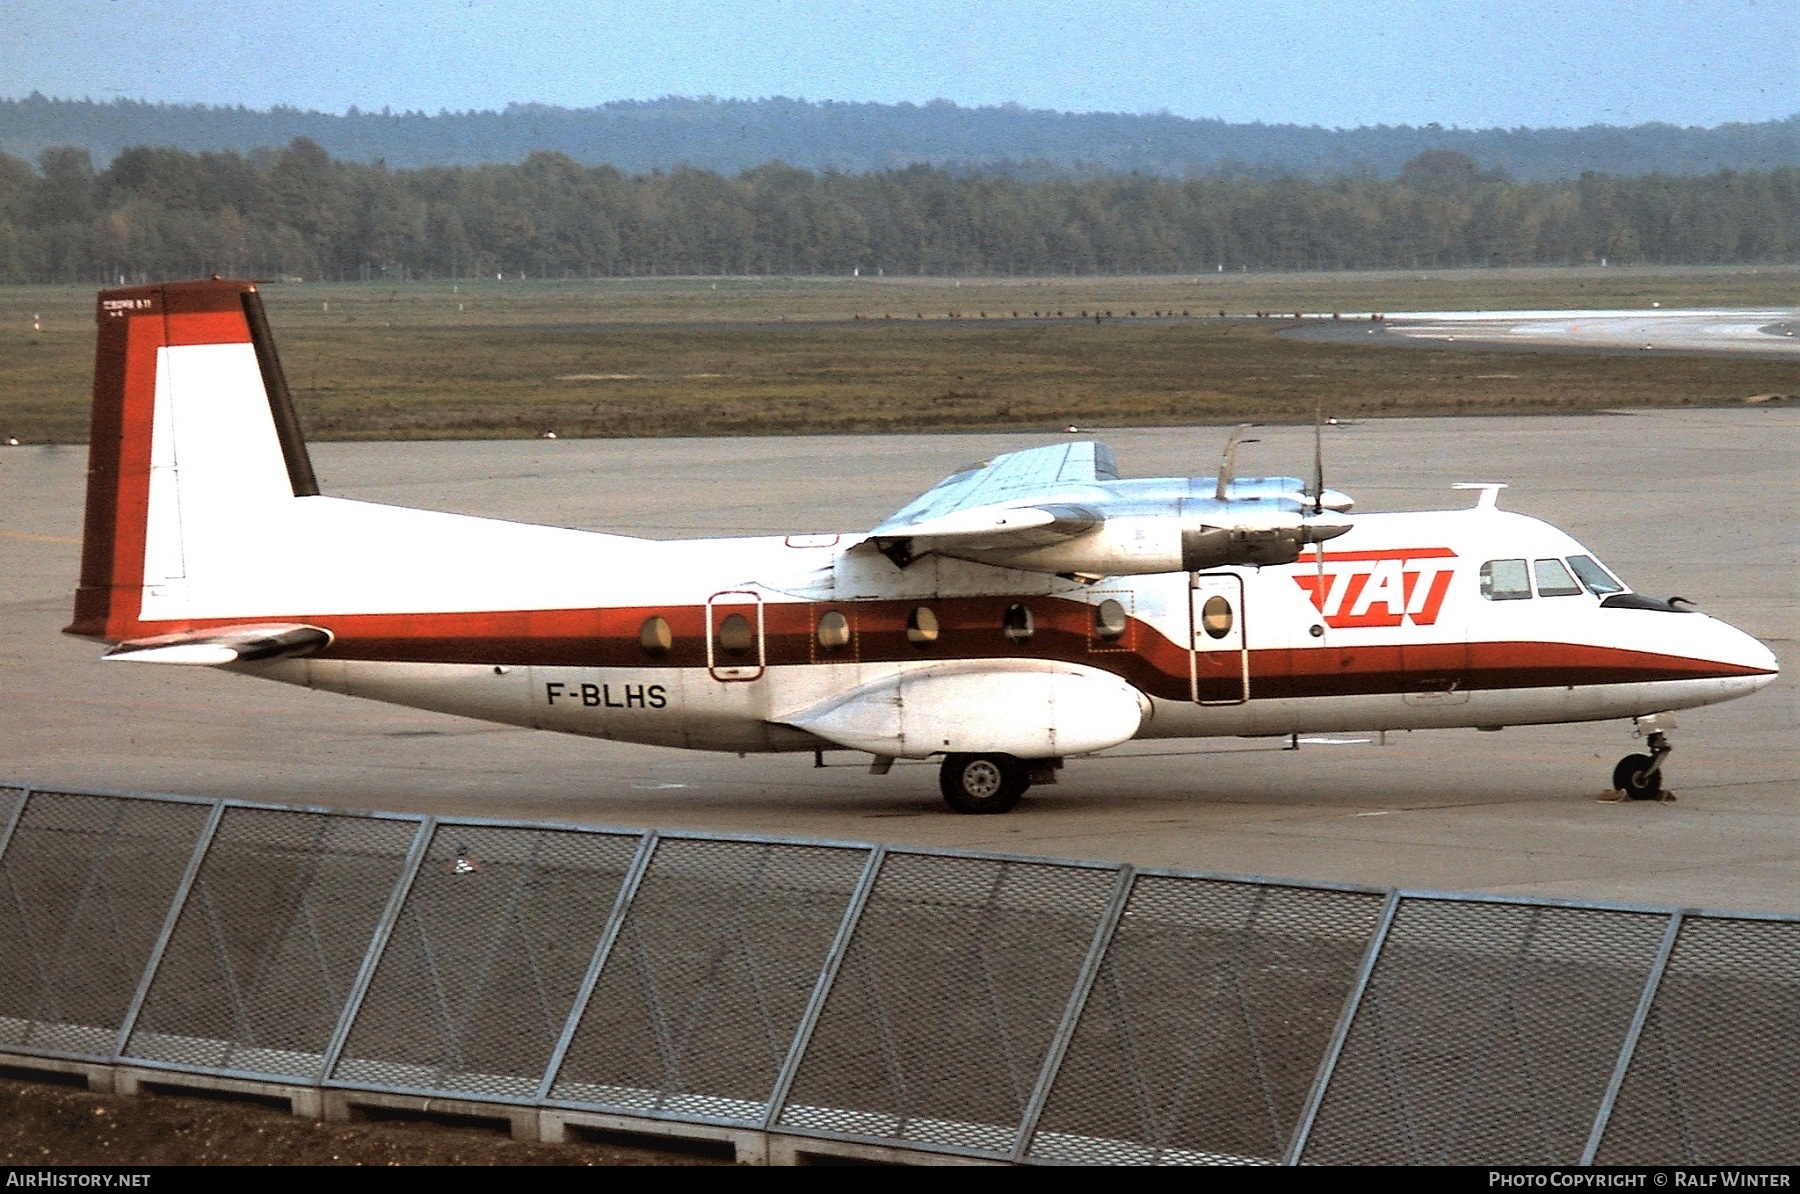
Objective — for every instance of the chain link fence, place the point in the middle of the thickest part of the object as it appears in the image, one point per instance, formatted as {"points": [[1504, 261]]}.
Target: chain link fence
{"points": [[929, 1002]]}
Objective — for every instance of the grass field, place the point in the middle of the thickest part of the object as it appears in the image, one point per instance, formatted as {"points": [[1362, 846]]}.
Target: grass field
{"points": [[794, 355]]}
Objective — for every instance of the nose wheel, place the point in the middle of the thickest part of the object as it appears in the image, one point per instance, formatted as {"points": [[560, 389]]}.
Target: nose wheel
{"points": [[1639, 777]]}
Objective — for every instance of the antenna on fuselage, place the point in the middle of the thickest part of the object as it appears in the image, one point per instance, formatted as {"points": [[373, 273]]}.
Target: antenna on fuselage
{"points": [[1490, 492], [1228, 461]]}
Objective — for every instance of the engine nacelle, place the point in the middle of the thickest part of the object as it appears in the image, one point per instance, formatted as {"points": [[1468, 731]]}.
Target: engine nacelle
{"points": [[1205, 547], [1146, 544]]}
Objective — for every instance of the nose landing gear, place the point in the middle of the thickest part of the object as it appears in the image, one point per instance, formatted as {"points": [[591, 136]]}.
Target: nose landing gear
{"points": [[1639, 776]]}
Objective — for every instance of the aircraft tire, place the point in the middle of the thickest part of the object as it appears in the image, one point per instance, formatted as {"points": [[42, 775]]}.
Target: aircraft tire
{"points": [[982, 783], [1629, 777]]}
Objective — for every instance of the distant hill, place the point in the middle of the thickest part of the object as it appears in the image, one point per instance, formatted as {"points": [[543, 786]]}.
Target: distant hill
{"points": [[729, 136]]}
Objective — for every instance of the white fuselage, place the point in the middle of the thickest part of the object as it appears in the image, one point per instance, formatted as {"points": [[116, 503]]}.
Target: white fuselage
{"points": [[1406, 640]]}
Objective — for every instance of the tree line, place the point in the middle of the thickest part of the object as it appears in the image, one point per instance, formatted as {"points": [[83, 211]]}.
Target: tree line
{"points": [[156, 213], [733, 135]]}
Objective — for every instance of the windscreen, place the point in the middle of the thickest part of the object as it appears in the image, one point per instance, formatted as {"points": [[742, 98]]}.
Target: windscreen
{"points": [[1599, 581]]}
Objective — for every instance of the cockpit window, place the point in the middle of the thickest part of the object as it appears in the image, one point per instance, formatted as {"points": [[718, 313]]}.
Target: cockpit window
{"points": [[1505, 580], [1553, 580], [1599, 581]]}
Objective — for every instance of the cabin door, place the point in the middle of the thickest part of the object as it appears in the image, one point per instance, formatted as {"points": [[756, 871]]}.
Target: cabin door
{"points": [[1219, 658], [735, 648]]}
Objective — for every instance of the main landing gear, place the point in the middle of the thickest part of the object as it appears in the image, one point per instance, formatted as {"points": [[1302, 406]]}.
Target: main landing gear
{"points": [[1639, 777], [991, 783]]}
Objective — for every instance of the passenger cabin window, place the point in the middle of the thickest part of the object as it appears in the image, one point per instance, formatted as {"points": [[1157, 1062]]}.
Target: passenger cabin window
{"points": [[1215, 617], [1505, 580], [735, 635], [1017, 624], [655, 637], [834, 631], [1599, 581], [1109, 620], [922, 627], [1553, 580]]}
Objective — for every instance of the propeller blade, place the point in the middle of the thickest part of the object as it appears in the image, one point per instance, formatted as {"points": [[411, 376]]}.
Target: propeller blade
{"points": [[1318, 477], [1228, 461]]}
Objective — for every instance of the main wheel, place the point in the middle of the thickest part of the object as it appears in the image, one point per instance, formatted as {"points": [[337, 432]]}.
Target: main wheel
{"points": [[1634, 778], [982, 783]]}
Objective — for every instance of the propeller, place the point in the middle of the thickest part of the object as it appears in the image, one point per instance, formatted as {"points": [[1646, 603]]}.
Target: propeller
{"points": [[1318, 488], [1323, 499], [1318, 502], [1228, 461], [1318, 477]]}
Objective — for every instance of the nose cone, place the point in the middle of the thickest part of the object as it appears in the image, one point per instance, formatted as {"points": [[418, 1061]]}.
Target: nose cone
{"points": [[1757, 655], [1744, 658]]}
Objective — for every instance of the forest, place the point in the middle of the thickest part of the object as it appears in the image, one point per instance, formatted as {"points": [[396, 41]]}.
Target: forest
{"points": [[730, 136], [296, 212]]}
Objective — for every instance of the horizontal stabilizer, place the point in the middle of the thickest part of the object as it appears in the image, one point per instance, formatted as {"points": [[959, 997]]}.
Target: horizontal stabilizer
{"points": [[223, 645]]}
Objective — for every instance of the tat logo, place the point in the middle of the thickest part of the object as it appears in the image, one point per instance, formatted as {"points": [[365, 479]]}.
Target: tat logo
{"points": [[1379, 588]]}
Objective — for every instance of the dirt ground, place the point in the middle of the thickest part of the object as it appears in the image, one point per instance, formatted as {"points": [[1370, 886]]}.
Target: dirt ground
{"points": [[46, 1123], [762, 356]]}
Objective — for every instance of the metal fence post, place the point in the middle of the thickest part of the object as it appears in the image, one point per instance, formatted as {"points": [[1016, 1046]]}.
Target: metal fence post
{"points": [[384, 928], [834, 957], [615, 922], [1341, 1033], [12, 822], [201, 845], [1629, 1047], [1065, 1032]]}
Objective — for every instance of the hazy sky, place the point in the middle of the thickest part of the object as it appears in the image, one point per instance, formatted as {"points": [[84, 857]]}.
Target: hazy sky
{"points": [[1474, 63]]}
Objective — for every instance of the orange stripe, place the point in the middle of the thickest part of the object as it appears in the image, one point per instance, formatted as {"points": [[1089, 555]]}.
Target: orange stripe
{"points": [[208, 327], [970, 629]]}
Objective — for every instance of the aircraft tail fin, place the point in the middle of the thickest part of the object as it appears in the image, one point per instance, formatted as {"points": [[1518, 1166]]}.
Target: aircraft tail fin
{"points": [[194, 437]]}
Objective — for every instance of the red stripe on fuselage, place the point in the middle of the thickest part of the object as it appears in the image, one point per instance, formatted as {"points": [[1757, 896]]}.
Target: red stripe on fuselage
{"points": [[970, 628]]}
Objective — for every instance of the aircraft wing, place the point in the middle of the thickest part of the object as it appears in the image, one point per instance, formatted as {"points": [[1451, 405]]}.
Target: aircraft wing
{"points": [[1059, 509], [1011, 503], [1014, 477]]}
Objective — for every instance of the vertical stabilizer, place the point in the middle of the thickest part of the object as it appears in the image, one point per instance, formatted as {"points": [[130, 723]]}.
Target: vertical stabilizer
{"points": [[194, 440]]}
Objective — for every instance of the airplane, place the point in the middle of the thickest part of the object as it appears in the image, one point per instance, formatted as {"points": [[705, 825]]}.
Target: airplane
{"points": [[1031, 609]]}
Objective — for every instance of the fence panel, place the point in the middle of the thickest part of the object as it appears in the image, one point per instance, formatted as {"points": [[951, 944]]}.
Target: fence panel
{"points": [[12, 802], [1059, 1012], [88, 881], [698, 1001], [1487, 1035], [954, 982], [1205, 1028], [477, 979], [1715, 1079], [270, 937]]}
